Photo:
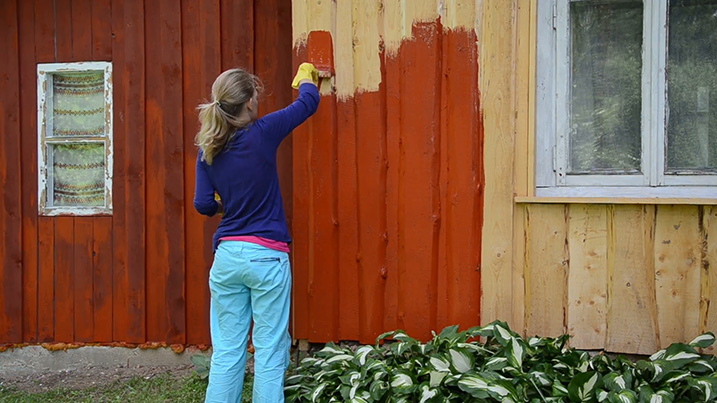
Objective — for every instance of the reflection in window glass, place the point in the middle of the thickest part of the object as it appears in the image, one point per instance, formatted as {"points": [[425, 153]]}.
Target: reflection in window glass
{"points": [[692, 86], [605, 101]]}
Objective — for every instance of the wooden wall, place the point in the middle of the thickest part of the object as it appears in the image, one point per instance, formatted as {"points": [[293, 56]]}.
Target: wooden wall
{"points": [[388, 175], [628, 276], [139, 275]]}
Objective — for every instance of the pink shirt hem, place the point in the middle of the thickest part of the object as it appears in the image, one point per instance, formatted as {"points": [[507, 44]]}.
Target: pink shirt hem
{"points": [[269, 243]]}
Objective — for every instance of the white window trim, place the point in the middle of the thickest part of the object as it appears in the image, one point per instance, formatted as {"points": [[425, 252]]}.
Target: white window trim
{"points": [[44, 104], [552, 103]]}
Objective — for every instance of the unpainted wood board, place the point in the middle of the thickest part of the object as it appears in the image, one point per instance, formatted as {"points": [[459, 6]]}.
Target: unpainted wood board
{"points": [[497, 65], [129, 183], [708, 301], [632, 310], [28, 157], [520, 239], [11, 271], [546, 276], [678, 259], [587, 280], [522, 102]]}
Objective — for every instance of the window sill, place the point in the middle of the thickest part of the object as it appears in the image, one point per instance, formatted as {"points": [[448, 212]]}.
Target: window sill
{"points": [[615, 200]]}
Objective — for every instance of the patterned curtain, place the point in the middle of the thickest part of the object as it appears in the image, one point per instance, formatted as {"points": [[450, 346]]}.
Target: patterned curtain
{"points": [[78, 169]]}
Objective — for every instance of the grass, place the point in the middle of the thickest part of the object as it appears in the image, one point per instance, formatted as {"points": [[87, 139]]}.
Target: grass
{"points": [[162, 388]]}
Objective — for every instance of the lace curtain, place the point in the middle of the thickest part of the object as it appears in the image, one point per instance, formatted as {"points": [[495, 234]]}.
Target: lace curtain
{"points": [[78, 169]]}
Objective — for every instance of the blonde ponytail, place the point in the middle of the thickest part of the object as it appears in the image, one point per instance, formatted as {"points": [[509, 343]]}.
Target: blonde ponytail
{"points": [[222, 117]]}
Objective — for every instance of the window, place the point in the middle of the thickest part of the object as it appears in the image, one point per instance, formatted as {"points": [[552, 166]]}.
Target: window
{"points": [[75, 138], [626, 103]]}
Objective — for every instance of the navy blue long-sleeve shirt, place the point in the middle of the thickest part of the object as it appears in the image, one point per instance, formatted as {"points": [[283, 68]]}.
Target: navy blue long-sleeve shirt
{"points": [[244, 174]]}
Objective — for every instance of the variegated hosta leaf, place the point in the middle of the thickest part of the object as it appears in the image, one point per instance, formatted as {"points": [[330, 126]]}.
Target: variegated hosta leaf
{"points": [[402, 336], [401, 380], [329, 350], [615, 382], [462, 361], [479, 386], [352, 378], [440, 364], [427, 393], [362, 353], [448, 332], [675, 376], [338, 358], [679, 355], [703, 341], [626, 396], [496, 364], [515, 354], [540, 378], [702, 366], [708, 386], [583, 386], [378, 389], [559, 390], [316, 393], [436, 378]]}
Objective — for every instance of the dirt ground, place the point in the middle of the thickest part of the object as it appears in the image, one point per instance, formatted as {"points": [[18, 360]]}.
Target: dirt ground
{"points": [[87, 377]]}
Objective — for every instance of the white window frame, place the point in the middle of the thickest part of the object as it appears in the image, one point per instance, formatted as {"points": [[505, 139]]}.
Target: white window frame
{"points": [[552, 116], [44, 123]]}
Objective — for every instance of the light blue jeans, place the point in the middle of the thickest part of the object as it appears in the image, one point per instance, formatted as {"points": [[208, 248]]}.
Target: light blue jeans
{"points": [[248, 280]]}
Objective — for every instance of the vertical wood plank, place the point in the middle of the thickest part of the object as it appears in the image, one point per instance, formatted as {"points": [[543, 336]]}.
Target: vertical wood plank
{"points": [[11, 272], [496, 84], [45, 45], [102, 259], [420, 219], [44, 25], [461, 208], [546, 277], [128, 272], [63, 31], [101, 30], [164, 159], [631, 312], [64, 279], [201, 51], [708, 300], [371, 178], [587, 280], [81, 26], [678, 259], [237, 22], [46, 279], [82, 279], [28, 122]]}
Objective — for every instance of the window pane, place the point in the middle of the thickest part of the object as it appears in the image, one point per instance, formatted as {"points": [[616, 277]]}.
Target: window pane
{"points": [[605, 99], [78, 104], [78, 174], [692, 86]]}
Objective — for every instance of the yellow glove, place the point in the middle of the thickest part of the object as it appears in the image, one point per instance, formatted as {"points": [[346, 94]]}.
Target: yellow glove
{"points": [[306, 71]]}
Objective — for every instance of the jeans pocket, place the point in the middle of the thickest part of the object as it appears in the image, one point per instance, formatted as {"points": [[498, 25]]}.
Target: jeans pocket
{"points": [[265, 260]]}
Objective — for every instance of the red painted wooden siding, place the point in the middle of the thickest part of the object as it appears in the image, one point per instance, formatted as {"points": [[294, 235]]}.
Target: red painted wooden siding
{"points": [[139, 275], [388, 198]]}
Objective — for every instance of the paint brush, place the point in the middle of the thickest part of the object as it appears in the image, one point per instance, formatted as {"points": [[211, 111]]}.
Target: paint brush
{"points": [[320, 52]]}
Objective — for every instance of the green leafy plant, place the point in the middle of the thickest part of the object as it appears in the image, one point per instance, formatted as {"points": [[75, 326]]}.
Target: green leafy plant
{"points": [[456, 367], [201, 365]]}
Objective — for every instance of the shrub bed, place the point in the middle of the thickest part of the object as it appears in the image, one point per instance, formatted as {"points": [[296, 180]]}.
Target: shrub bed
{"points": [[455, 366]]}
